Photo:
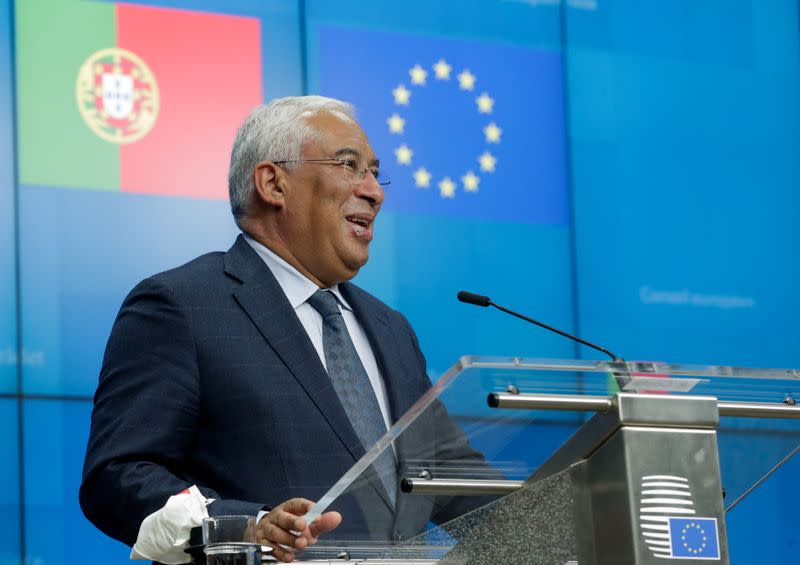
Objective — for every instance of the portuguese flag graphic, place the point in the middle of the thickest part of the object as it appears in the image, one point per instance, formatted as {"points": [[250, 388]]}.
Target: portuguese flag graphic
{"points": [[132, 98]]}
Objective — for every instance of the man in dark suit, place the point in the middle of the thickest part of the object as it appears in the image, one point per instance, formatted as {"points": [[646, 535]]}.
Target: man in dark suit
{"points": [[223, 372]]}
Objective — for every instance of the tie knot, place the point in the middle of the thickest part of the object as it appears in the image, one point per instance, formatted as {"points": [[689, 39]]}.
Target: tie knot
{"points": [[324, 302]]}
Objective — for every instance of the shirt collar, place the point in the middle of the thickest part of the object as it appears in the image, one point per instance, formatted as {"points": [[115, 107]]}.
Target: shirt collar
{"points": [[295, 285]]}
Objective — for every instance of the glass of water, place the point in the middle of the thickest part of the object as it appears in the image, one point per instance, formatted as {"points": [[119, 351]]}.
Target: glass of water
{"points": [[230, 540]]}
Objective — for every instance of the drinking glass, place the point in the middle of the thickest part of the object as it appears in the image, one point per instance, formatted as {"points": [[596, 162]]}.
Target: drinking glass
{"points": [[230, 540]]}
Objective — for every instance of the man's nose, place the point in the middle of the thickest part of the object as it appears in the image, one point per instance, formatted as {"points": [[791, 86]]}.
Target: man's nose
{"points": [[370, 190]]}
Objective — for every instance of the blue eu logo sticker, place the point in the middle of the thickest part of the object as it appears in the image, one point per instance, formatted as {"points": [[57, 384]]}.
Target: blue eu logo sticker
{"points": [[695, 538]]}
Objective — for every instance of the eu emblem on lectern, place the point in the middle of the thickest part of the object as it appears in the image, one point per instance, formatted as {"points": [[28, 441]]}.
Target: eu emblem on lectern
{"points": [[669, 524]]}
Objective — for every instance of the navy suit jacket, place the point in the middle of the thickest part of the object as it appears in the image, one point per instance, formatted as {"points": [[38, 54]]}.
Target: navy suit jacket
{"points": [[209, 378]]}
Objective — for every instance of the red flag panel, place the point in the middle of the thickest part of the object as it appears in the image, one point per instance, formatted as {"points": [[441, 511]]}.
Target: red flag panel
{"points": [[208, 71]]}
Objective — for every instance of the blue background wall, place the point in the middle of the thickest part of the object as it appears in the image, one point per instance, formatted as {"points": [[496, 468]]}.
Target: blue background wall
{"points": [[644, 196]]}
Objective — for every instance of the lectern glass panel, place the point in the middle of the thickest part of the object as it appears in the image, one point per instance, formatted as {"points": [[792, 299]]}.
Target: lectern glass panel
{"points": [[466, 434]]}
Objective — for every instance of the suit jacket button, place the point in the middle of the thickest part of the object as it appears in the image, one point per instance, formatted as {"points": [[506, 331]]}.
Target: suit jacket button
{"points": [[397, 536]]}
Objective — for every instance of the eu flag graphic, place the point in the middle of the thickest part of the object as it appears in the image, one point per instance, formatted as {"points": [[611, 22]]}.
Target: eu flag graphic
{"points": [[471, 134], [463, 128], [694, 537]]}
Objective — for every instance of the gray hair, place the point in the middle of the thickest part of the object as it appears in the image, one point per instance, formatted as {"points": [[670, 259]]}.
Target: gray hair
{"points": [[274, 132]]}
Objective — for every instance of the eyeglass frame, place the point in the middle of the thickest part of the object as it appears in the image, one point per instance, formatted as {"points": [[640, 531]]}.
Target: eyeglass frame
{"points": [[360, 173]]}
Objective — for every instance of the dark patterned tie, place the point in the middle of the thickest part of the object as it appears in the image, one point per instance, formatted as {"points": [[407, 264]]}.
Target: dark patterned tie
{"points": [[352, 385]]}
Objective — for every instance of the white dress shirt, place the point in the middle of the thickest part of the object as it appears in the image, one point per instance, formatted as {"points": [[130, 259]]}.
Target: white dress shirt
{"points": [[298, 289]]}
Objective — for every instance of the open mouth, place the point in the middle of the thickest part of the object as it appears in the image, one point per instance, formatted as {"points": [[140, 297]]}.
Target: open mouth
{"points": [[361, 225]]}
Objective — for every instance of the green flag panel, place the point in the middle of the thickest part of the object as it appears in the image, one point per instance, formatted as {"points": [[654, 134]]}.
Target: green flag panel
{"points": [[56, 146]]}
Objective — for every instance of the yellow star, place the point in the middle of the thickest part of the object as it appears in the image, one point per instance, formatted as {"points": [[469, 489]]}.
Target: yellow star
{"points": [[492, 133], [447, 188], [401, 95], [418, 75], [422, 178], [487, 162], [442, 70], [485, 103], [466, 80], [396, 123], [403, 154], [471, 182]]}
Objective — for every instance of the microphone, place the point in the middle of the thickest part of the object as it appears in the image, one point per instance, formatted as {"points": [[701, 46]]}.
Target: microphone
{"points": [[472, 298], [481, 300]]}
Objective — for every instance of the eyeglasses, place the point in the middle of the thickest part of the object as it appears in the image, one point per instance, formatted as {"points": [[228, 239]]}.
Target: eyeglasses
{"points": [[348, 165]]}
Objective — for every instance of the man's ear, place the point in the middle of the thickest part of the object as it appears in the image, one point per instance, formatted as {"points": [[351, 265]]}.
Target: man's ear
{"points": [[269, 180]]}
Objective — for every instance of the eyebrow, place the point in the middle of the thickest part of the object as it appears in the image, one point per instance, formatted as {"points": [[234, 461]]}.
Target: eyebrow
{"points": [[356, 153]]}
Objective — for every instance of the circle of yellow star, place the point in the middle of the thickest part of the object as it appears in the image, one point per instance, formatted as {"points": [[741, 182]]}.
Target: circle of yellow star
{"points": [[492, 133], [396, 123], [485, 103], [401, 95], [487, 161], [418, 75], [470, 181], [447, 188], [466, 80], [442, 70], [422, 178], [403, 154]]}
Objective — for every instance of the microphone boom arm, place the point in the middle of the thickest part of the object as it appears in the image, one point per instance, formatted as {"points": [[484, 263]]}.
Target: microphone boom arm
{"points": [[482, 300], [556, 330]]}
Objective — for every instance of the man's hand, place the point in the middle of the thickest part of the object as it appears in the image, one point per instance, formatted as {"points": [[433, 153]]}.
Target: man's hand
{"points": [[286, 531]]}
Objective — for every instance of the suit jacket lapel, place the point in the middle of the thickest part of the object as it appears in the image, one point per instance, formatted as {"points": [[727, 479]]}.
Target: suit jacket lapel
{"points": [[267, 306], [382, 340], [401, 387]]}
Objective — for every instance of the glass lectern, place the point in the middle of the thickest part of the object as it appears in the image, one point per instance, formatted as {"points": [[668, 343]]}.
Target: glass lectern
{"points": [[514, 460]]}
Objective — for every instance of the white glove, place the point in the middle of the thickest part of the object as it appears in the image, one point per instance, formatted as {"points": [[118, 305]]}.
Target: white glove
{"points": [[164, 534]]}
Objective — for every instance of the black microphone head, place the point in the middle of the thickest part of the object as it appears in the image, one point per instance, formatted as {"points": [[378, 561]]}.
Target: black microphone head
{"points": [[472, 298]]}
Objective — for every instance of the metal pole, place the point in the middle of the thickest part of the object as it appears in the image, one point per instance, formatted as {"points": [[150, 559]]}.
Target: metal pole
{"points": [[579, 403], [757, 410], [461, 487], [567, 402]]}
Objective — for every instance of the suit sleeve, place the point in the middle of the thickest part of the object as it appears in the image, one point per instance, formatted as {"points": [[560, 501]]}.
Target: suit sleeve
{"points": [[143, 422]]}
